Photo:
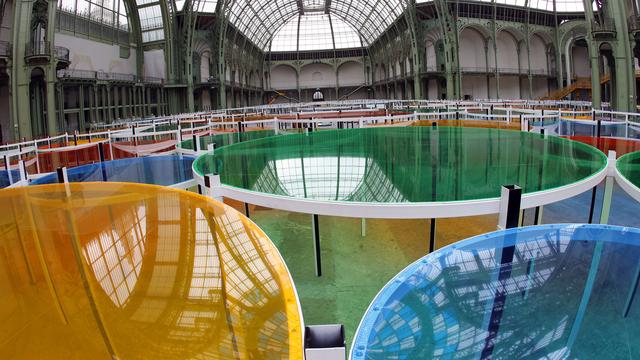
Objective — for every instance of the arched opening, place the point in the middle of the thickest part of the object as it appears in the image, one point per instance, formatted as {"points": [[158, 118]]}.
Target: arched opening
{"points": [[507, 64], [608, 72], [38, 100], [283, 77], [351, 77], [473, 63]]}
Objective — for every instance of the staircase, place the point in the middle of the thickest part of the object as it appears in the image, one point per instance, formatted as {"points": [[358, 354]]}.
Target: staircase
{"points": [[579, 84], [279, 94], [351, 93], [566, 91]]}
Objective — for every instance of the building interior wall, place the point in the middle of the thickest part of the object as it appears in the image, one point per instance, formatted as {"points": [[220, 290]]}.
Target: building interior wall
{"points": [[92, 55]]}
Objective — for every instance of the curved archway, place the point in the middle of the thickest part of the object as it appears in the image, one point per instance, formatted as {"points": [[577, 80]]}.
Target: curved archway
{"points": [[283, 77], [351, 73], [314, 76], [473, 63]]}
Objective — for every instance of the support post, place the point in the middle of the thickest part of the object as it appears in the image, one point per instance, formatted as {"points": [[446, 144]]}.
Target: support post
{"points": [[316, 244], [63, 178], [608, 193], [510, 201], [592, 208], [432, 236]]}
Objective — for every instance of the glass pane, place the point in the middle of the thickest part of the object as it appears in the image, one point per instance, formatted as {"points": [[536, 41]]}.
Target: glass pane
{"points": [[286, 39]]}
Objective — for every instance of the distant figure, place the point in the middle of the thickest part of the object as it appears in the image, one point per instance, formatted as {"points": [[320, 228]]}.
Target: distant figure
{"points": [[318, 96]]}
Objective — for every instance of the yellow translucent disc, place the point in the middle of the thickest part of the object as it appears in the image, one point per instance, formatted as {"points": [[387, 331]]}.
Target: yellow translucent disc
{"points": [[109, 270]]}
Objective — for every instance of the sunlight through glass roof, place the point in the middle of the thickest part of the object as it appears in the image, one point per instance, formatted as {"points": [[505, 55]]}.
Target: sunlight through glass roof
{"points": [[271, 23], [316, 31]]}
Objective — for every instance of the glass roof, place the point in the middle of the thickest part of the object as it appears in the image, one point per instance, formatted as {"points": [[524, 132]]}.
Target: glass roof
{"points": [[109, 12], [262, 20], [316, 31], [548, 5]]}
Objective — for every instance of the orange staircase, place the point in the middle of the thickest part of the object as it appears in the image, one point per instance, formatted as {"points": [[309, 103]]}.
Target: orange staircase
{"points": [[579, 84], [566, 91]]}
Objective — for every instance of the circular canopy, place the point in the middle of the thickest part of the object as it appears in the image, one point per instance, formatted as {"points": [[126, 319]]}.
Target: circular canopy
{"points": [[454, 168], [133, 271], [629, 173], [157, 170], [560, 291]]}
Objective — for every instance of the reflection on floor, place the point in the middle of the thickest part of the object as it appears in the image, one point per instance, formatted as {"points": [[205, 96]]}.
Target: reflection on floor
{"points": [[355, 268]]}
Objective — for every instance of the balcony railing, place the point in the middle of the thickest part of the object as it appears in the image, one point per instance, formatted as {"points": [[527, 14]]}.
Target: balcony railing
{"points": [[38, 48], [604, 28], [104, 76], [152, 80], [76, 74], [44, 49]]}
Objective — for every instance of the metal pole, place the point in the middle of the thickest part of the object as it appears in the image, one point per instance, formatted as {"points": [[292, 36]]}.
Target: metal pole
{"points": [[593, 204], [432, 236], [316, 244], [510, 201]]}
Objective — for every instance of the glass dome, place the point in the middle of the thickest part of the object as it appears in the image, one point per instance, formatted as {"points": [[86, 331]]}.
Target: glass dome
{"points": [[272, 24], [317, 31]]}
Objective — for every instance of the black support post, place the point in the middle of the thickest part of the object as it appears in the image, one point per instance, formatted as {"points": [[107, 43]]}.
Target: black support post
{"points": [[316, 244], [509, 212], [432, 236]]}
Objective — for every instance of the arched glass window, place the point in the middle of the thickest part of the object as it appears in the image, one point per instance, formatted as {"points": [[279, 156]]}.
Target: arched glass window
{"points": [[316, 31], [271, 24]]}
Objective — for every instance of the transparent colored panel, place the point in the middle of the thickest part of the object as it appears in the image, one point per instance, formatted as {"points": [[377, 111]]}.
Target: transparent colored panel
{"points": [[157, 170], [134, 271], [546, 292], [629, 167], [414, 164], [7, 179]]}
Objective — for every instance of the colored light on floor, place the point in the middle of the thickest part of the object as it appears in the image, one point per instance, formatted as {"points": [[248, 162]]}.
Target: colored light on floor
{"points": [[127, 271], [396, 165], [555, 291]]}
